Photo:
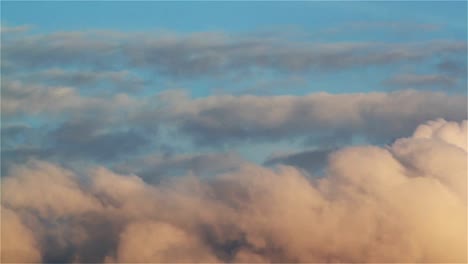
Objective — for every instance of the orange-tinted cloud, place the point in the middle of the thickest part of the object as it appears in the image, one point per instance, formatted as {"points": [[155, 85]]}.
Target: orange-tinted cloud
{"points": [[401, 203]]}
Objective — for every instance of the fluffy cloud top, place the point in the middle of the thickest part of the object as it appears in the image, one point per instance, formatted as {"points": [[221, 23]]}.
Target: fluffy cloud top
{"points": [[401, 203]]}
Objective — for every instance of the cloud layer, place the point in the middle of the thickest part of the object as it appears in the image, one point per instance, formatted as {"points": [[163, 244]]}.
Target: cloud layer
{"points": [[112, 128], [401, 203], [212, 54], [220, 119], [126, 146]]}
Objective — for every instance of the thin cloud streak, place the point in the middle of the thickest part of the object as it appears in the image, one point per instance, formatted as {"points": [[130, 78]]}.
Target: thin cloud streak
{"points": [[210, 53]]}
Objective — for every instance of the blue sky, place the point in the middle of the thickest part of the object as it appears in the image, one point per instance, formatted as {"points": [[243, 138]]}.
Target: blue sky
{"points": [[229, 16]]}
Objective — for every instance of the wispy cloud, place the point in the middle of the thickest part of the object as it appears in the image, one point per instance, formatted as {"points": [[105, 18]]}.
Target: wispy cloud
{"points": [[400, 27], [209, 54], [4, 29], [422, 80]]}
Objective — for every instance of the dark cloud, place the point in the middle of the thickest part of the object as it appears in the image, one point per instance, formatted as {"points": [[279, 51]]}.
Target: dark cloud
{"points": [[312, 161], [221, 120], [154, 168], [71, 142], [120, 80], [453, 67], [86, 139], [20, 155], [13, 132]]}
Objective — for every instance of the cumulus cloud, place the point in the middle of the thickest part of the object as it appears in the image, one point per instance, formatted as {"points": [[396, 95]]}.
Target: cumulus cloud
{"points": [[401, 203], [152, 241], [18, 244]]}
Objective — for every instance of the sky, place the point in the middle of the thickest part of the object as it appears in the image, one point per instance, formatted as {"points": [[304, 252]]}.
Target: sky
{"points": [[171, 102]]}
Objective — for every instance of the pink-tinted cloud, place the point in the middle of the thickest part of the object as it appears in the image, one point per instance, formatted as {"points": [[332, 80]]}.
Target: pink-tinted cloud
{"points": [[402, 203]]}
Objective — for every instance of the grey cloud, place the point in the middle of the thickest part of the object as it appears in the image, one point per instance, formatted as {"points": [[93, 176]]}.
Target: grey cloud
{"points": [[14, 29], [12, 132], [154, 168], [222, 120], [312, 161], [380, 116], [422, 80], [72, 142], [13, 156], [95, 127], [20, 142], [121, 80], [60, 49], [453, 67], [19, 99], [386, 26], [209, 54], [86, 139]]}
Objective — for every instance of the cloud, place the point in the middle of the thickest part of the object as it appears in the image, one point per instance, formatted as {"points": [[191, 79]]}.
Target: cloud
{"points": [[405, 29], [386, 26], [453, 68], [152, 241], [74, 127], [24, 99], [312, 161], [449, 132], [14, 29], [19, 155], [18, 244], [120, 80], [421, 80], [377, 116], [71, 142], [153, 168], [82, 138], [401, 203], [47, 77], [11, 132], [209, 53]]}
